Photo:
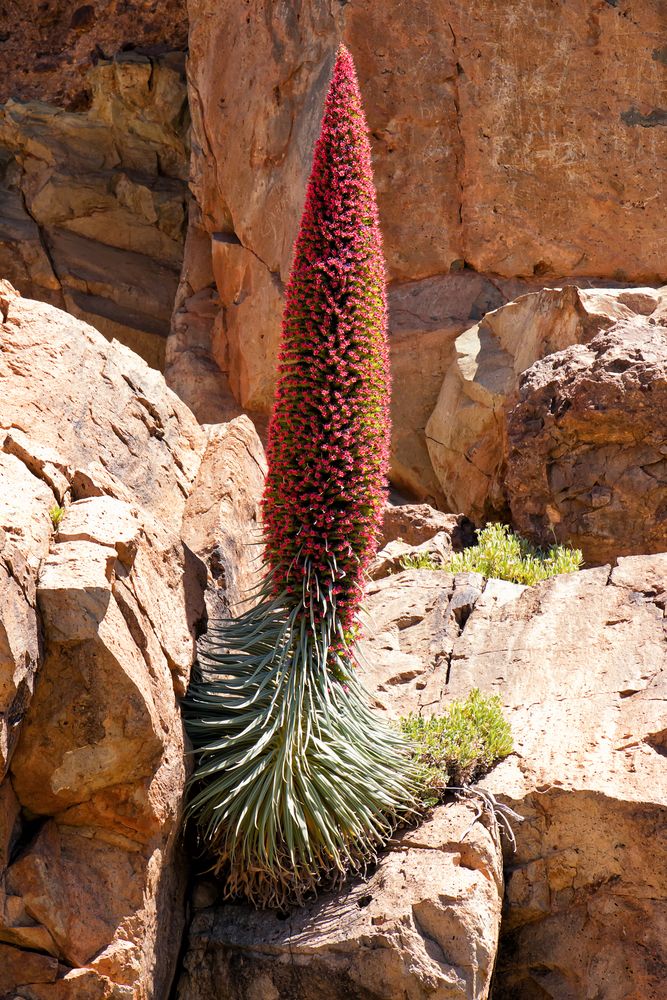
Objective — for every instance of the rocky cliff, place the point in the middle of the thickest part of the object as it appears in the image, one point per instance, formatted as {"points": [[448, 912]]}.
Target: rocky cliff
{"points": [[501, 168], [517, 152], [580, 663], [99, 615], [94, 161], [124, 524], [512, 149]]}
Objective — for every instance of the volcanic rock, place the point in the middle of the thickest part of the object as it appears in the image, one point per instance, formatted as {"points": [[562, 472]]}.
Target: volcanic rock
{"points": [[111, 498], [467, 431], [467, 134], [580, 664], [423, 926], [587, 445], [93, 202]]}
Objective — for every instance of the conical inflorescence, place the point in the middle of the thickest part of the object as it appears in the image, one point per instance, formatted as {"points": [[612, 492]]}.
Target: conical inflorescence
{"points": [[328, 440], [297, 781]]}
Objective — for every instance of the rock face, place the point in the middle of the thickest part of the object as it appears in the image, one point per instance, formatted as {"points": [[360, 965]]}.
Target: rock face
{"points": [[25, 533], [97, 636], [587, 455], [468, 134], [436, 112], [420, 534], [580, 663], [221, 521], [136, 435], [93, 184], [424, 925], [49, 48], [467, 431], [99, 621], [586, 893], [100, 759], [93, 202]]}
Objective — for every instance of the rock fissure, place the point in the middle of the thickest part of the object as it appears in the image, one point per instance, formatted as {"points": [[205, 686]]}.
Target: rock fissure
{"points": [[459, 155]]}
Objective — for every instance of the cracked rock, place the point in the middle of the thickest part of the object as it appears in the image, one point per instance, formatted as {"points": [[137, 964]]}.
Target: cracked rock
{"points": [[423, 925], [467, 431], [586, 457], [98, 623]]}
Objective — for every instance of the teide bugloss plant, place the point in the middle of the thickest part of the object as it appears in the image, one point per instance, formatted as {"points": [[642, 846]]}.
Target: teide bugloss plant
{"points": [[297, 781], [328, 442]]}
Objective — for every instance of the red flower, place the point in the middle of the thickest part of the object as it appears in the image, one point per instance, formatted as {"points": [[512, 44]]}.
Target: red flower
{"points": [[329, 432]]}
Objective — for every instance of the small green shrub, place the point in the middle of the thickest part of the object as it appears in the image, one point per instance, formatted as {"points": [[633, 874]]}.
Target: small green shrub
{"points": [[502, 554], [56, 514], [459, 747], [420, 560]]}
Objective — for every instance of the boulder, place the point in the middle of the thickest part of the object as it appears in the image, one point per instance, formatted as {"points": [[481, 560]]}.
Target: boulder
{"points": [[100, 765], [25, 969], [434, 553], [424, 925], [466, 433], [419, 533], [99, 615], [96, 419], [415, 523], [587, 445], [580, 664], [101, 750], [583, 671], [425, 318]]}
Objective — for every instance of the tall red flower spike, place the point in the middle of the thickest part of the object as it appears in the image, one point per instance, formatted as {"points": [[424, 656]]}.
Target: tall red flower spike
{"points": [[329, 432], [298, 783]]}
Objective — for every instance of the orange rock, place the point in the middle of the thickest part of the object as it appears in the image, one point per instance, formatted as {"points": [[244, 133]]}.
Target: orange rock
{"points": [[106, 609], [495, 163], [25, 530], [580, 664], [222, 517], [119, 438], [587, 445], [21, 968], [466, 433], [423, 925]]}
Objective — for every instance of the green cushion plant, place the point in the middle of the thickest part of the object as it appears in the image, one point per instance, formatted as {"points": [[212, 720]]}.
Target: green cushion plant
{"points": [[460, 746], [501, 554]]}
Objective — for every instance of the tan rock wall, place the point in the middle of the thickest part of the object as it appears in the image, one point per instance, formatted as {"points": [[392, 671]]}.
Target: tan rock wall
{"points": [[98, 622], [93, 202], [580, 664], [534, 160]]}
